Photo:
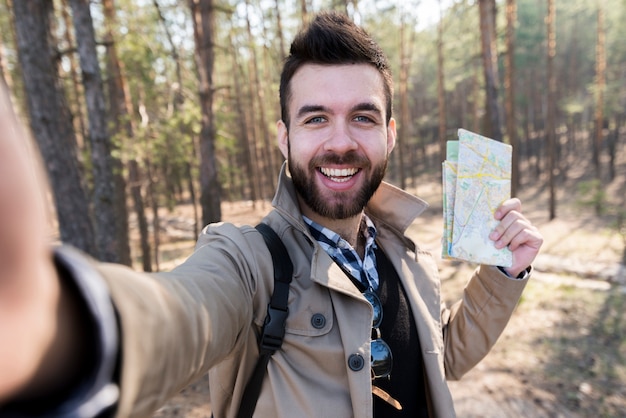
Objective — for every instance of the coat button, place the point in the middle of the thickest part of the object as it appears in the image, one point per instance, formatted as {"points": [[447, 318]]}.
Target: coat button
{"points": [[356, 362], [318, 321]]}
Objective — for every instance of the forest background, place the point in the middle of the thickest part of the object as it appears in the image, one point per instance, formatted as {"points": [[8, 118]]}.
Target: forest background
{"points": [[141, 107]]}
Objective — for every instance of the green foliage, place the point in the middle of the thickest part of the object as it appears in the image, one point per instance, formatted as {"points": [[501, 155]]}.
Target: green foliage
{"points": [[165, 129]]}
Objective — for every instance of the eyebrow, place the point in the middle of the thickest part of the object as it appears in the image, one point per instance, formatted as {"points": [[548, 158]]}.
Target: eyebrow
{"points": [[310, 109], [371, 107], [368, 106]]}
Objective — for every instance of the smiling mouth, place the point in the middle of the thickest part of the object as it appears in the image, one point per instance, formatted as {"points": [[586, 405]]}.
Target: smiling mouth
{"points": [[339, 175]]}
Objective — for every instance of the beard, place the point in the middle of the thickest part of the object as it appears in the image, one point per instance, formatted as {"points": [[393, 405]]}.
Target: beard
{"points": [[341, 205]]}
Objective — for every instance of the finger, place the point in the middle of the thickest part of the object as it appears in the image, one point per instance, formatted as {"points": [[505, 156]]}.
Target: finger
{"points": [[505, 224], [529, 237], [513, 204], [511, 233]]}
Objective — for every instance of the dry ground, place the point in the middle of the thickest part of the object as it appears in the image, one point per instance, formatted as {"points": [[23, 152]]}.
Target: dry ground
{"points": [[563, 353]]}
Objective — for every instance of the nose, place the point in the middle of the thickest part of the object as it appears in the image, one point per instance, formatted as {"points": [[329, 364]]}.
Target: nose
{"points": [[340, 140]]}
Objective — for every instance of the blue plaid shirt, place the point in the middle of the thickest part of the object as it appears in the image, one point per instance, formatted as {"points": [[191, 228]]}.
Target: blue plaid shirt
{"points": [[364, 271]]}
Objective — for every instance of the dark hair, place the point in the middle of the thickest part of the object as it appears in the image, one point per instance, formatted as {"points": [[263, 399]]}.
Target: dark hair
{"points": [[333, 39]]}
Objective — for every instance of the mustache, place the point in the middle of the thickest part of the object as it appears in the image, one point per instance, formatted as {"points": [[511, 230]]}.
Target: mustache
{"points": [[349, 158]]}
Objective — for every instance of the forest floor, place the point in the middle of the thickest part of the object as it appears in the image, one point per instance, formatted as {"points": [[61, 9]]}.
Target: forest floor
{"points": [[563, 353]]}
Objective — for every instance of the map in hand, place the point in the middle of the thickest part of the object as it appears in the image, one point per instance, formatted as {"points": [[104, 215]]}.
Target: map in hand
{"points": [[476, 180]]}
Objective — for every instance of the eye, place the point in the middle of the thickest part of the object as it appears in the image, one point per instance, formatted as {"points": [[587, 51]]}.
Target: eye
{"points": [[316, 119], [363, 119]]}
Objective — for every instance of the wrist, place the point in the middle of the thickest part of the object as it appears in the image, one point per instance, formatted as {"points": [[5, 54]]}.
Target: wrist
{"points": [[514, 274]]}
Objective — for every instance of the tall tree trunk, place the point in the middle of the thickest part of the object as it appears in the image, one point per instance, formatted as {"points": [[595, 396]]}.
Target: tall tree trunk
{"points": [[611, 142], [551, 106], [140, 210], [600, 87], [280, 34], [50, 122], [254, 131], [403, 96], [487, 9], [121, 114], [156, 223], [509, 86], [246, 141], [267, 149], [272, 111], [441, 88], [109, 193], [202, 13], [192, 197], [77, 91], [304, 11]]}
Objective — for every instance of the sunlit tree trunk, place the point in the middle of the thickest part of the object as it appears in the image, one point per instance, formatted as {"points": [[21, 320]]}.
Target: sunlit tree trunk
{"points": [[202, 13], [109, 194], [600, 85], [177, 101], [121, 115], [268, 163], [441, 88], [551, 105], [280, 34], [75, 103], [509, 86], [487, 10], [50, 122], [271, 111], [246, 141], [304, 10], [404, 125]]}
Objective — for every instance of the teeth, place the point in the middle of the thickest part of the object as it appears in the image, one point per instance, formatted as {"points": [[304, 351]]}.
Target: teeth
{"points": [[339, 172]]}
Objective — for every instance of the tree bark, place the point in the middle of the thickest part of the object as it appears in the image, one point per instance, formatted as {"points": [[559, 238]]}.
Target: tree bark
{"points": [[487, 9], [76, 105], [600, 87], [509, 87], [50, 122], [246, 141], [441, 88], [109, 194], [121, 115], [267, 161], [551, 105], [202, 12]]}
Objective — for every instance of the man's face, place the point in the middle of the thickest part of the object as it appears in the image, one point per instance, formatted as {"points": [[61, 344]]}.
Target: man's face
{"points": [[338, 143]]}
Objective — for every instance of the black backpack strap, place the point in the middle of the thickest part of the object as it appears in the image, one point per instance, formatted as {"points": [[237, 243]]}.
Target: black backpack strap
{"points": [[274, 326]]}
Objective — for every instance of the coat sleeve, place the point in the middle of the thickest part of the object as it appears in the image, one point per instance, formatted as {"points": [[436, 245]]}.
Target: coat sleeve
{"points": [[472, 325], [177, 325]]}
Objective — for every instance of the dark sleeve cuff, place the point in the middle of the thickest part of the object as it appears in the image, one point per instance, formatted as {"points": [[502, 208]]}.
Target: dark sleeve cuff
{"points": [[95, 393], [99, 393], [522, 276]]}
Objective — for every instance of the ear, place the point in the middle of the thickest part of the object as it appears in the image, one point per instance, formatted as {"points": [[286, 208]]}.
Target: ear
{"points": [[283, 138], [391, 135]]}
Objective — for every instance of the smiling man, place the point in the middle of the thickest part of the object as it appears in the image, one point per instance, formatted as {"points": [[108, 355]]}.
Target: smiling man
{"points": [[338, 142], [366, 332]]}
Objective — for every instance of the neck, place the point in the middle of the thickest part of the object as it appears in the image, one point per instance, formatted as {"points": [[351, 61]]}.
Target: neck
{"points": [[347, 228]]}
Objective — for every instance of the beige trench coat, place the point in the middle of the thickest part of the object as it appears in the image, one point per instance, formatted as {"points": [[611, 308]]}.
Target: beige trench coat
{"points": [[205, 316]]}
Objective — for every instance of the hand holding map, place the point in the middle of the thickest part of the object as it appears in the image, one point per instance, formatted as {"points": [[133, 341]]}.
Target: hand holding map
{"points": [[476, 180]]}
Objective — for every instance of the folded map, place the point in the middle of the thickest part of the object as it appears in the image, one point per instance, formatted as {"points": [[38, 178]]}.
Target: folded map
{"points": [[476, 180]]}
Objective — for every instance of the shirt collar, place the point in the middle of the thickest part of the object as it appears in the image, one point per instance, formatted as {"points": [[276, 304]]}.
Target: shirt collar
{"points": [[363, 271]]}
